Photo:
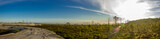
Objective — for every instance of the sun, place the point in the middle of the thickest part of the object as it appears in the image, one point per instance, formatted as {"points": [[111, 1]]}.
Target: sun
{"points": [[132, 9]]}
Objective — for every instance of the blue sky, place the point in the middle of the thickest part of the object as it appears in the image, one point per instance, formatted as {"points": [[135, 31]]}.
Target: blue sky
{"points": [[77, 11], [47, 11]]}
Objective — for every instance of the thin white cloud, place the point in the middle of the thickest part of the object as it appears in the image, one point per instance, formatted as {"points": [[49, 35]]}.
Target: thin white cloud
{"points": [[98, 11], [104, 5], [3, 2]]}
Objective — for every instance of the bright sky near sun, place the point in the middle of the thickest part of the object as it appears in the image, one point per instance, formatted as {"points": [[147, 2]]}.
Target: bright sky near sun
{"points": [[132, 10], [76, 11]]}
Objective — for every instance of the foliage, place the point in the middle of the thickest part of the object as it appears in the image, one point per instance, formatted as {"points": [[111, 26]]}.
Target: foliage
{"points": [[79, 31], [15, 31], [2, 31], [138, 29]]}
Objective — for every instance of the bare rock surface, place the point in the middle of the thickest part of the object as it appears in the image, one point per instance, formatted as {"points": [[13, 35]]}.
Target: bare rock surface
{"points": [[31, 33]]}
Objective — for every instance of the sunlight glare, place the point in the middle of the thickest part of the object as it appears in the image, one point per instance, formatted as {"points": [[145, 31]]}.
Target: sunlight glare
{"points": [[132, 9]]}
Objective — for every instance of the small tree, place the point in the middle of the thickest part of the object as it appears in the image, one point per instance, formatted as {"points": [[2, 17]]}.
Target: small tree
{"points": [[108, 21], [116, 19]]}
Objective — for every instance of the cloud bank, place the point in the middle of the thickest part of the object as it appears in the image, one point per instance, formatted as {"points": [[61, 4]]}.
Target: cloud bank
{"points": [[128, 9]]}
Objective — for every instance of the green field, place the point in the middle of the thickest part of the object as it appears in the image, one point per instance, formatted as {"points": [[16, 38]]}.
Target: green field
{"points": [[139, 29]]}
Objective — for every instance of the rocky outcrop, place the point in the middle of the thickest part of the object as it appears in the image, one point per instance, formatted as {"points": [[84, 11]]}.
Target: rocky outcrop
{"points": [[32, 33]]}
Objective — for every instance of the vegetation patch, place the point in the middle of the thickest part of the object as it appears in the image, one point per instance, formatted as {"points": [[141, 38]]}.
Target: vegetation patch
{"points": [[2, 32], [138, 29], [79, 31]]}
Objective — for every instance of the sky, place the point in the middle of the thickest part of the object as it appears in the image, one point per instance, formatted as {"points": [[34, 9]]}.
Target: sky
{"points": [[46, 11], [76, 11]]}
